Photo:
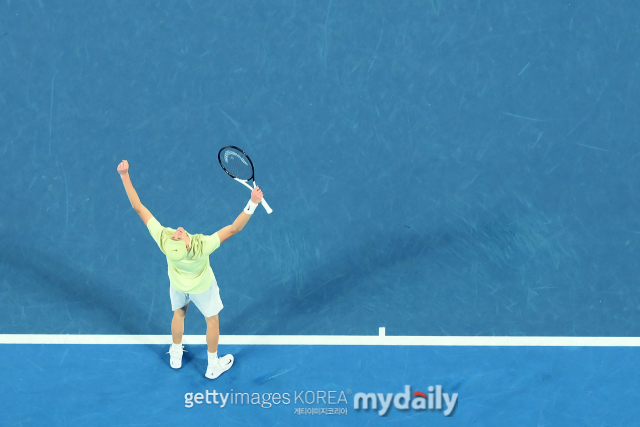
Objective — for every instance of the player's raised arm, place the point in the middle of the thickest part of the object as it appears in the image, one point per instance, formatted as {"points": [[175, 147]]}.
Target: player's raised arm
{"points": [[123, 170], [243, 218]]}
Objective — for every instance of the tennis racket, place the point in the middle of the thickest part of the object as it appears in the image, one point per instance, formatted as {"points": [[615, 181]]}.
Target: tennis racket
{"points": [[239, 166]]}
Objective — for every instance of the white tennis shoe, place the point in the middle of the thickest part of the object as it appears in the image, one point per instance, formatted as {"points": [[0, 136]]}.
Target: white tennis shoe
{"points": [[217, 367], [175, 354]]}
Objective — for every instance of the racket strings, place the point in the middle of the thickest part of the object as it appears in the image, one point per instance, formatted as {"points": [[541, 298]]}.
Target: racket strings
{"points": [[236, 164]]}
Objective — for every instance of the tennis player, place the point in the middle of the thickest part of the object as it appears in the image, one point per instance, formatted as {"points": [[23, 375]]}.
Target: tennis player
{"points": [[190, 274]]}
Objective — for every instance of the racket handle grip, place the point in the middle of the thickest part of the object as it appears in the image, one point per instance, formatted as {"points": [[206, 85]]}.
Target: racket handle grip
{"points": [[266, 206]]}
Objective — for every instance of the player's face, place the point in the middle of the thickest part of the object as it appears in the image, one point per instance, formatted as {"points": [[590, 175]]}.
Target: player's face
{"points": [[180, 234]]}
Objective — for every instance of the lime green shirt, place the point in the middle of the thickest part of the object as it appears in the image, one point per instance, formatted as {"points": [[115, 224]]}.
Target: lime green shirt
{"points": [[192, 275]]}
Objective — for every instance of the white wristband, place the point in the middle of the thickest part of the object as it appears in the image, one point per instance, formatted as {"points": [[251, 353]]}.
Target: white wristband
{"points": [[250, 207]]}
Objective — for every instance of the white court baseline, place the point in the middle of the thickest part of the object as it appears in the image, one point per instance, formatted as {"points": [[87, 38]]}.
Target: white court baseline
{"points": [[346, 340]]}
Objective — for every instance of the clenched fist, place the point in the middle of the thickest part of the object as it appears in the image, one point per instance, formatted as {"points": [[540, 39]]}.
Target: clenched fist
{"points": [[123, 168]]}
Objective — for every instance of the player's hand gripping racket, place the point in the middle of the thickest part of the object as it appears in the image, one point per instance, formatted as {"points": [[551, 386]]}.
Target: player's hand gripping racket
{"points": [[238, 166]]}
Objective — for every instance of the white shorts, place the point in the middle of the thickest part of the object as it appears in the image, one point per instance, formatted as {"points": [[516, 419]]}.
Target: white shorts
{"points": [[208, 302]]}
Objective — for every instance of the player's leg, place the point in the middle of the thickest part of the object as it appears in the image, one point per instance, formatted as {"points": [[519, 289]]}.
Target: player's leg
{"points": [[217, 365], [179, 305], [177, 324], [213, 333], [210, 304]]}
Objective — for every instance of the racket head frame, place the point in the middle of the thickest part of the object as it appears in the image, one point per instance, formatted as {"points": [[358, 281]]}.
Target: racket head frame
{"points": [[243, 181], [244, 154]]}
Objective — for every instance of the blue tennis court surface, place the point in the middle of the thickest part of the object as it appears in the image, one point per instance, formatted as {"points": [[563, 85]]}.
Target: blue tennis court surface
{"points": [[133, 385], [445, 169]]}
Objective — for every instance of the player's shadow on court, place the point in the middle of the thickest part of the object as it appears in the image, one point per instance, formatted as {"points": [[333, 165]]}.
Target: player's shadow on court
{"points": [[349, 279], [327, 289], [75, 301], [323, 294]]}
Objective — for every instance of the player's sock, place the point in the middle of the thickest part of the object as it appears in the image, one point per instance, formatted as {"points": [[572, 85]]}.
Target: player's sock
{"points": [[176, 347], [213, 357]]}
